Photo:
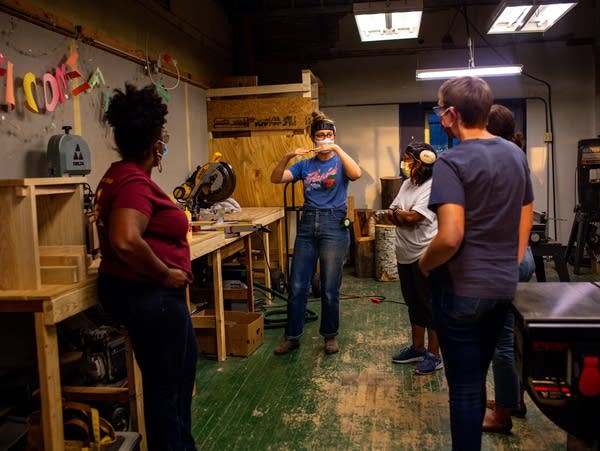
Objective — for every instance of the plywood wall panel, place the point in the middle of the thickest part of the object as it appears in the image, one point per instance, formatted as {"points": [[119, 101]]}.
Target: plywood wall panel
{"points": [[253, 159]]}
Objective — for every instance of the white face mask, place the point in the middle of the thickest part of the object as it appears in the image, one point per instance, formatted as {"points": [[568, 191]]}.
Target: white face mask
{"points": [[325, 142]]}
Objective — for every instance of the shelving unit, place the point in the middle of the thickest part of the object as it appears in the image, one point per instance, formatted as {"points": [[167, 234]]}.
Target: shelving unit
{"points": [[42, 232]]}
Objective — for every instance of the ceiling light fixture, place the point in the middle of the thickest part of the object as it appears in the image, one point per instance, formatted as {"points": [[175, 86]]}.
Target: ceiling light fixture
{"points": [[482, 71], [521, 16], [470, 70], [388, 20]]}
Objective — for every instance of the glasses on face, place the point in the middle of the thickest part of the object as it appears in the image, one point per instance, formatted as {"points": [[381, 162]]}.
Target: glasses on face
{"points": [[440, 110], [324, 135]]}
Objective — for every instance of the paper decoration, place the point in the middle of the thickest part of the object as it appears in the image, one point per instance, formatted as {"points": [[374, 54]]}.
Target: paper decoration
{"points": [[49, 80], [61, 80], [9, 95], [96, 79], [160, 88], [74, 73], [28, 85], [105, 101]]}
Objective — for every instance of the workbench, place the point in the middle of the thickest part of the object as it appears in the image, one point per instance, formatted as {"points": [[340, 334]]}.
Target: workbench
{"points": [[52, 304], [218, 247]]}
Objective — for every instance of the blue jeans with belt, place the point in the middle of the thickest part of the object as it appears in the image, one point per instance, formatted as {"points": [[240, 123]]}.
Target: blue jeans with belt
{"points": [[159, 325], [319, 236], [468, 330]]}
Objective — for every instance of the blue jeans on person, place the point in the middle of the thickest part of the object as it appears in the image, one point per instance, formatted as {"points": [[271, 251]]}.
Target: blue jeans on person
{"points": [[162, 336], [468, 330], [507, 390], [319, 236]]}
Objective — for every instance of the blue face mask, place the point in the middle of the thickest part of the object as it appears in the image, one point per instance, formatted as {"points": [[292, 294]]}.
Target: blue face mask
{"points": [[165, 149]]}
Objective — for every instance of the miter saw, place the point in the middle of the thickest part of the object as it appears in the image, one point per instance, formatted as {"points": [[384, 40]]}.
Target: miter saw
{"points": [[211, 183]]}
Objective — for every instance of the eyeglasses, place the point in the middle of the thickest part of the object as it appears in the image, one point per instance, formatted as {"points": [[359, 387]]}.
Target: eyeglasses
{"points": [[440, 110], [324, 135]]}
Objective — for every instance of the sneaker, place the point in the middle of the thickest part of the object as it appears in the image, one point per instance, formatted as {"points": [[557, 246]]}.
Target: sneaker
{"points": [[408, 355], [331, 346], [430, 363], [286, 346]]}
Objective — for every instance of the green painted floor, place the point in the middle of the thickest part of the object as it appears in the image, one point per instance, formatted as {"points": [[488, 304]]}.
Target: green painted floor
{"points": [[354, 400]]}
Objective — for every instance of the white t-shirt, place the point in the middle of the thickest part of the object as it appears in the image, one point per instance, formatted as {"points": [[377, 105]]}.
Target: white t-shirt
{"points": [[411, 241]]}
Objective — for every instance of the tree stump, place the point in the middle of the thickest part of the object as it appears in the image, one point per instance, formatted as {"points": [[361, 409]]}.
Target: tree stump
{"points": [[386, 269], [364, 256], [389, 190]]}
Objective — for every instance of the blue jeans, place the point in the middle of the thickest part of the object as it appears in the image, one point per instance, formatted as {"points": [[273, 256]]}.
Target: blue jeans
{"points": [[159, 325], [506, 381], [319, 236], [468, 330]]}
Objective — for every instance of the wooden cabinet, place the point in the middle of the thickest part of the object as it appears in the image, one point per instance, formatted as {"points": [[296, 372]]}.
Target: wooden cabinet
{"points": [[42, 231]]}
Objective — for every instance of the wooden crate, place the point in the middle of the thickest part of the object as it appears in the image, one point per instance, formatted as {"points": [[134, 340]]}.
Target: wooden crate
{"points": [[43, 222]]}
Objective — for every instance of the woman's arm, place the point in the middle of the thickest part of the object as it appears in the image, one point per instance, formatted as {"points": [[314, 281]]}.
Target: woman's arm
{"points": [[127, 227], [351, 169], [282, 175], [451, 230], [405, 218], [525, 224]]}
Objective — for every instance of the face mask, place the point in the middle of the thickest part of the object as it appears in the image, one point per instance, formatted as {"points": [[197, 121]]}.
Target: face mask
{"points": [[325, 142], [405, 168], [165, 149]]}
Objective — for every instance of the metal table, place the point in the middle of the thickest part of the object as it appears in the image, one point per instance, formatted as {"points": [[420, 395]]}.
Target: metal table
{"points": [[557, 352]]}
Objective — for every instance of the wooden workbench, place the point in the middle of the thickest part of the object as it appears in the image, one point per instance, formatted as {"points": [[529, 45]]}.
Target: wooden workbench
{"points": [[52, 304], [214, 244]]}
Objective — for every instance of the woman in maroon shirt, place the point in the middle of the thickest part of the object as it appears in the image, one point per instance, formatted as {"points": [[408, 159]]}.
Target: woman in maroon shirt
{"points": [[146, 265]]}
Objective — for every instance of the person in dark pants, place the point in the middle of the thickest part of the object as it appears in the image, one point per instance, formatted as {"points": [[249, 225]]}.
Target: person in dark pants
{"points": [[146, 266], [482, 194], [322, 233], [416, 226], [507, 389]]}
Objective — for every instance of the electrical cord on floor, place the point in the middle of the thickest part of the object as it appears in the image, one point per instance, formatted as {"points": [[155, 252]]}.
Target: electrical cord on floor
{"points": [[374, 298], [274, 323]]}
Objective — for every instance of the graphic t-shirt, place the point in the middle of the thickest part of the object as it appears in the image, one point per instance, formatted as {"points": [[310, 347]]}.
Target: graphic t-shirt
{"points": [[126, 185], [325, 183]]}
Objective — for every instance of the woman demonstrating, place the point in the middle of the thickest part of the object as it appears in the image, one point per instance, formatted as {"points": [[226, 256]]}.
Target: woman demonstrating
{"points": [[322, 234], [146, 265]]}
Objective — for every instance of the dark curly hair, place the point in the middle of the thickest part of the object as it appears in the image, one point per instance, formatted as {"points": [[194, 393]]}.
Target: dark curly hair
{"points": [[137, 117]]}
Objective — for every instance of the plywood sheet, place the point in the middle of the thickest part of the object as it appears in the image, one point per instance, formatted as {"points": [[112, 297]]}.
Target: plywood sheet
{"points": [[289, 113], [253, 159]]}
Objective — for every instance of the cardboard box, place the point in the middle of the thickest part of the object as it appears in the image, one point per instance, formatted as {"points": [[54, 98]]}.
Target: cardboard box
{"points": [[244, 333]]}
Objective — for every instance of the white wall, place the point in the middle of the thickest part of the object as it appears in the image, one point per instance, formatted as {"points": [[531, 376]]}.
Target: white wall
{"points": [[571, 72], [365, 132]]}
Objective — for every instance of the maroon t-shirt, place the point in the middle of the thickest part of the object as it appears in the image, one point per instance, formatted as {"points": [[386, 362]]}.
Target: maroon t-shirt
{"points": [[126, 185]]}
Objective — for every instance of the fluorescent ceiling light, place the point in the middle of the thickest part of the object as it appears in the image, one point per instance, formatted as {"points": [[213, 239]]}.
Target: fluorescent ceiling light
{"points": [[519, 16], [387, 20], [482, 71]]}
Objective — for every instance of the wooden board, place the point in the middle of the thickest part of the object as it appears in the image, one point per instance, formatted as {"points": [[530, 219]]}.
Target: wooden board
{"points": [[253, 160], [292, 113]]}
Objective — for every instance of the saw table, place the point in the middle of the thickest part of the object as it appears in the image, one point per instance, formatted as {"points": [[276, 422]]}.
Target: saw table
{"points": [[557, 352]]}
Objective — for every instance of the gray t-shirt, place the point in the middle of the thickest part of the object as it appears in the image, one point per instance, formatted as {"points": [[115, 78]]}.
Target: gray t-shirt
{"points": [[490, 179]]}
